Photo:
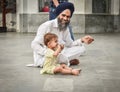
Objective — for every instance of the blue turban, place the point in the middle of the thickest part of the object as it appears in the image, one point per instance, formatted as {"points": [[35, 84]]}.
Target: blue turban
{"points": [[63, 6]]}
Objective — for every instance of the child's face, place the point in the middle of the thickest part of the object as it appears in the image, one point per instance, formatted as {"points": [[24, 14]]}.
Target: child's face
{"points": [[53, 43]]}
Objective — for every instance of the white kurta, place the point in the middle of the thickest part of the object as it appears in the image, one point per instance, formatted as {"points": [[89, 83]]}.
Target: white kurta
{"points": [[72, 50]]}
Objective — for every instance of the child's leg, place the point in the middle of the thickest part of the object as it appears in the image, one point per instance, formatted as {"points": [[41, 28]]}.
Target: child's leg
{"points": [[62, 70], [76, 71], [66, 67]]}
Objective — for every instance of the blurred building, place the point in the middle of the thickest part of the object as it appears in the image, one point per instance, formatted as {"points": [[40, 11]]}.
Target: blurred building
{"points": [[90, 16]]}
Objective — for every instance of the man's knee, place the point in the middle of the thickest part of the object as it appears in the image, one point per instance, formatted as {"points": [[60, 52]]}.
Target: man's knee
{"points": [[82, 50]]}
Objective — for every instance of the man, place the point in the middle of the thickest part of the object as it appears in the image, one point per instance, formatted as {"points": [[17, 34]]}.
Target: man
{"points": [[52, 12], [72, 49]]}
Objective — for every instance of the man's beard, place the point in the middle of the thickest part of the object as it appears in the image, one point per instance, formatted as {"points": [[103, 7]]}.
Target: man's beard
{"points": [[62, 26]]}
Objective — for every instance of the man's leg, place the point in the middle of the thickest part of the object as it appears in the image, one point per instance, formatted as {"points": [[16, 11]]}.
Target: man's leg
{"points": [[73, 53], [62, 59], [38, 60]]}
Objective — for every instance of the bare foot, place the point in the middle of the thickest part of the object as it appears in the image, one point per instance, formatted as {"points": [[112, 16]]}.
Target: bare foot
{"points": [[74, 62], [75, 72], [79, 69]]}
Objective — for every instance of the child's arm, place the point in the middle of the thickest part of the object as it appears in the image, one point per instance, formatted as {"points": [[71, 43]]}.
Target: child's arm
{"points": [[57, 51]]}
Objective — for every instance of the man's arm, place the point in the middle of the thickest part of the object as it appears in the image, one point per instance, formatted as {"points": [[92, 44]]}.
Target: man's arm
{"points": [[39, 48], [87, 39], [56, 3], [38, 44]]}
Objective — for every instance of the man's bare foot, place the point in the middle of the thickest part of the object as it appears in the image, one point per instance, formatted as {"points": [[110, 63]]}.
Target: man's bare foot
{"points": [[74, 62]]}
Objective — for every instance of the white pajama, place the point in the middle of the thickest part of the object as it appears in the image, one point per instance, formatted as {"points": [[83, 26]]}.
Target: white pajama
{"points": [[72, 49]]}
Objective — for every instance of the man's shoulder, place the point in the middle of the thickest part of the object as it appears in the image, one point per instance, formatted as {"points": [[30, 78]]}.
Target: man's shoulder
{"points": [[50, 23]]}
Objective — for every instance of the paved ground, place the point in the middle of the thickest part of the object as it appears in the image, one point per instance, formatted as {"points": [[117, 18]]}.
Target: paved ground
{"points": [[100, 67]]}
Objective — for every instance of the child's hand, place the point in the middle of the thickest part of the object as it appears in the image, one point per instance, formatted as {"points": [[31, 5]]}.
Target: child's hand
{"points": [[62, 46], [58, 50], [58, 46]]}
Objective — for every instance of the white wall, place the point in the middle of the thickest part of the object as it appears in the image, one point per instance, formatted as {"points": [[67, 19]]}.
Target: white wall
{"points": [[79, 6], [82, 7], [88, 6], [115, 7], [25, 7], [32, 6]]}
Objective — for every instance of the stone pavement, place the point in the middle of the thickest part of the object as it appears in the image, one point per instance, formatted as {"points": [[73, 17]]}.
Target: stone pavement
{"points": [[100, 66]]}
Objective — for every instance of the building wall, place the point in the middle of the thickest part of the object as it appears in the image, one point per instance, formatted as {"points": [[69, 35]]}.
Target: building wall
{"points": [[115, 6], [102, 23], [10, 21], [28, 18]]}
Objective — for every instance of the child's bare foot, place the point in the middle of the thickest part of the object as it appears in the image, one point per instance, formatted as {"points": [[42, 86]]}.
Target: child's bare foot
{"points": [[79, 69], [75, 72]]}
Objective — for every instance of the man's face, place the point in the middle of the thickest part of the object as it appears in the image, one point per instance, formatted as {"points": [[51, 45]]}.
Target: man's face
{"points": [[64, 19]]}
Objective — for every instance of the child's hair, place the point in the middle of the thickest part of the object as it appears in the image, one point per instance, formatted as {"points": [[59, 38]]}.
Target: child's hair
{"points": [[48, 37]]}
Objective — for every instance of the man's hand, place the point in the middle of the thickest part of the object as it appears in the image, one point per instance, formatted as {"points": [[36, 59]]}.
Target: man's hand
{"points": [[87, 39]]}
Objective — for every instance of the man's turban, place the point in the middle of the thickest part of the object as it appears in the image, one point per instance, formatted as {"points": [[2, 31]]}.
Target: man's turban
{"points": [[63, 6]]}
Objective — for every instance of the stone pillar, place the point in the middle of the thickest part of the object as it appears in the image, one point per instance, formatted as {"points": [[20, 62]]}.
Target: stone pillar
{"points": [[32, 6], [20, 9], [88, 6], [115, 7], [78, 19], [24, 8], [115, 10], [79, 6]]}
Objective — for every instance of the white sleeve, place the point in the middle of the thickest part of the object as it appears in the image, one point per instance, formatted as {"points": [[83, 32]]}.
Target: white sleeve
{"points": [[37, 44], [69, 42], [77, 42]]}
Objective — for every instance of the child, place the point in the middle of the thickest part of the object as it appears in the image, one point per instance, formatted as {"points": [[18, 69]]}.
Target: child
{"points": [[51, 65]]}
